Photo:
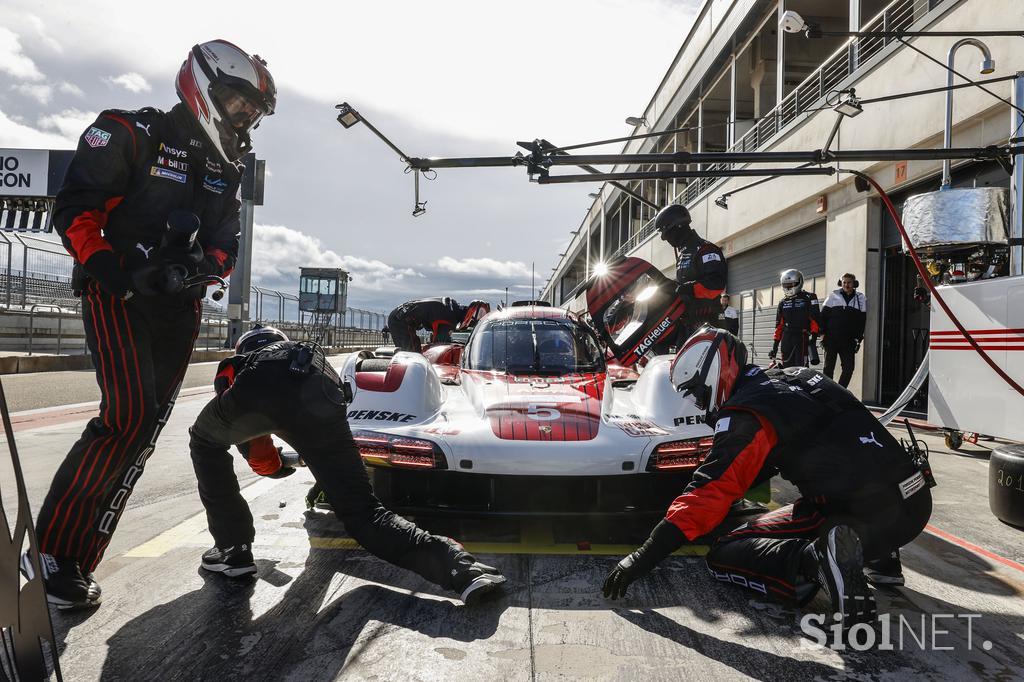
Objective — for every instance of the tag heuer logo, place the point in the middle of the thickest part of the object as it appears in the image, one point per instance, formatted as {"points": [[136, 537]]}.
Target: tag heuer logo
{"points": [[94, 137]]}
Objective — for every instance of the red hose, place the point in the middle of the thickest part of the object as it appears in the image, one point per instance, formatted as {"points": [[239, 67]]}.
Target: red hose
{"points": [[931, 287]]}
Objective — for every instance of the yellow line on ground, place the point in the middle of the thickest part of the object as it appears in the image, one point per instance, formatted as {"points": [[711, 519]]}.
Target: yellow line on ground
{"points": [[322, 542], [190, 527]]}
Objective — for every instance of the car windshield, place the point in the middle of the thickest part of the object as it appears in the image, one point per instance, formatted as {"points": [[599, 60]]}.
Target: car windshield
{"points": [[534, 347]]}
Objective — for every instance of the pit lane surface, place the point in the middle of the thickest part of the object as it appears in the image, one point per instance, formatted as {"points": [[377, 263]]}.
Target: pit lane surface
{"points": [[322, 610]]}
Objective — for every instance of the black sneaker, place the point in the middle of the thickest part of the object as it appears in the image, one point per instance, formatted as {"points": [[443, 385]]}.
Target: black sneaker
{"points": [[476, 582], [841, 575], [887, 572], [233, 562], [66, 587]]}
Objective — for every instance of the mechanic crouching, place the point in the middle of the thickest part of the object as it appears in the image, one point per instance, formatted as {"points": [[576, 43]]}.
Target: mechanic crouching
{"points": [[862, 495], [439, 316], [276, 386]]}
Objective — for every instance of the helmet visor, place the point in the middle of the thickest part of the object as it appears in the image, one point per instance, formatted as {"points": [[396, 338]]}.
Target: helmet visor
{"points": [[239, 112]]}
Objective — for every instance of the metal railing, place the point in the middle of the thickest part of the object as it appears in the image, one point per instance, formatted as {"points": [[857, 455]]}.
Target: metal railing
{"points": [[803, 99]]}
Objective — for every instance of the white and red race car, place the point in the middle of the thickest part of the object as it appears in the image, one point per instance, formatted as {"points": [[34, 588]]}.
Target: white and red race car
{"points": [[527, 418]]}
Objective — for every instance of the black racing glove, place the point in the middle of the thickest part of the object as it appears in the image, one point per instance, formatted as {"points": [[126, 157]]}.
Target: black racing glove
{"points": [[105, 268], [665, 539], [190, 257], [856, 345], [774, 351], [157, 279], [684, 290]]}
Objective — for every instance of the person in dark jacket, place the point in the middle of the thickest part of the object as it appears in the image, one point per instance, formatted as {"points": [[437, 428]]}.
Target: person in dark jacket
{"points": [[797, 323], [701, 273], [862, 495], [729, 318], [132, 173], [440, 316], [842, 326], [276, 386]]}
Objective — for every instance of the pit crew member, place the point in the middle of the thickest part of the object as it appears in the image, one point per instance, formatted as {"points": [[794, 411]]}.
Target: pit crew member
{"points": [[133, 171], [277, 386], [862, 495], [797, 323], [842, 326], [701, 273], [437, 315]]}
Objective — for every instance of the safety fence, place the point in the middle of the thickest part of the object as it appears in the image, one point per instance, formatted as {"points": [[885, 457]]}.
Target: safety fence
{"points": [[39, 313]]}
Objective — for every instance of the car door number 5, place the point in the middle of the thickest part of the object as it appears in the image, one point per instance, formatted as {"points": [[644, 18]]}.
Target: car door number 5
{"points": [[542, 412]]}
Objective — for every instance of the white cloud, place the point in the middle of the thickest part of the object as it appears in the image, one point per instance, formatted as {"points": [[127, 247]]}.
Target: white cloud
{"points": [[71, 89], [484, 267], [42, 36], [40, 92], [15, 62], [278, 252], [70, 122], [131, 81], [16, 134]]}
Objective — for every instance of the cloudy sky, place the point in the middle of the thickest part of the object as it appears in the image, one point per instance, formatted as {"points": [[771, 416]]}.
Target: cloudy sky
{"points": [[444, 78]]}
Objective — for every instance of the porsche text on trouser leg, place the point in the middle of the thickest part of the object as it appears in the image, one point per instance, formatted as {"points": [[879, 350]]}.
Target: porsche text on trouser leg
{"points": [[140, 349]]}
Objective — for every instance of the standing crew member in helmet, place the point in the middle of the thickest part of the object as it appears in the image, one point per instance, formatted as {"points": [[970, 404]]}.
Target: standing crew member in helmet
{"points": [[842, 326], [135, 175], [700, 273], [862, 494], [438, 315], [797, 323], [289, 389]]}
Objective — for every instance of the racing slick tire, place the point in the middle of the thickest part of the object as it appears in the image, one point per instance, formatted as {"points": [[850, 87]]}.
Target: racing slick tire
{"points": [[1006, 484], [954, 440]]}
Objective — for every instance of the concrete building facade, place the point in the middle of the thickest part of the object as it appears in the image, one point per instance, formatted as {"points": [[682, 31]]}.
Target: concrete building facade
{"points": [[739, 83]]}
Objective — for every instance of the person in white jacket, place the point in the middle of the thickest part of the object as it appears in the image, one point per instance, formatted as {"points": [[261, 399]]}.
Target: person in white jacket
{"points": [[842, 319]]}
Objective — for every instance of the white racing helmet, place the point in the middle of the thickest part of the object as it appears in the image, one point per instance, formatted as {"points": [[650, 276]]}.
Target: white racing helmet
{"points": [[792, 282], [707, 366], [228, 91]]}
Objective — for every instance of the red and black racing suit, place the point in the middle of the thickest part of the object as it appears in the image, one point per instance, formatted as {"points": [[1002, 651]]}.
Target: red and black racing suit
{"points": [[797, 318], [131, 169], [260, 394], [439, 315], [701, 275], [815, 434]]}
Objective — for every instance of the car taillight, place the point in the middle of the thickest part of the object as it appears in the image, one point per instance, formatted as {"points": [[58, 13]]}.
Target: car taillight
{"points": [[680, 454], [383, 449]]}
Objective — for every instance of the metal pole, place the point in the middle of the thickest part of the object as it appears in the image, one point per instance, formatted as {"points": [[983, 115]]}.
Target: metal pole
{"points": [[947, 133], [1017, 182]]}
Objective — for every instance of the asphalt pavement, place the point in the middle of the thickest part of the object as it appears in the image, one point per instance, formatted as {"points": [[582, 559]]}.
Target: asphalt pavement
{"points": [[322, 609]]}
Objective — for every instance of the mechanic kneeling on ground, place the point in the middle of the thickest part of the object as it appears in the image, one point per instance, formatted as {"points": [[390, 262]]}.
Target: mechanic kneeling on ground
{"points": [[276, 386], [700, 273], [862, 495], [797, 323], [437, 315]]}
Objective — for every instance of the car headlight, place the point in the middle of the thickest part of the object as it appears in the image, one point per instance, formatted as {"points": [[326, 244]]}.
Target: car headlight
{"points": [[680, 454], [384, 449]]}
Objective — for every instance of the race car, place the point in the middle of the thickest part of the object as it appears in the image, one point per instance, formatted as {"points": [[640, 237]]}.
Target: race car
{"points": [[525, 419]]}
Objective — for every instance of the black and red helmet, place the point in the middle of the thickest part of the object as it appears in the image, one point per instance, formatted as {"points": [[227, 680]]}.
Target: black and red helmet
{"points": [[707, 366], [228, 91], [475, 312]]}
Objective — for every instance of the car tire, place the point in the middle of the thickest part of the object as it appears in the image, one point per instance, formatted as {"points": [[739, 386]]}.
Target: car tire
{"points": [[1006, 484]]}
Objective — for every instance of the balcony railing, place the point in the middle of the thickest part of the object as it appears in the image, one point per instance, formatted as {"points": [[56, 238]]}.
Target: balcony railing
{"points": [[805, 98]]}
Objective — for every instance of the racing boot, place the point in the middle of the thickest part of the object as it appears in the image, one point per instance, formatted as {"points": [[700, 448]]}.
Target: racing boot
{"points": [[66, 587], [839, 562], [885, 572], [475, 582], [234, 562]]}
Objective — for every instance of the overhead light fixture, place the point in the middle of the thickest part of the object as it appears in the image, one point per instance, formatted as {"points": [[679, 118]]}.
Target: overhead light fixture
{"points": [[347, 116], [849, 107], [594, 195], [722, 202], [637, 121]]}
